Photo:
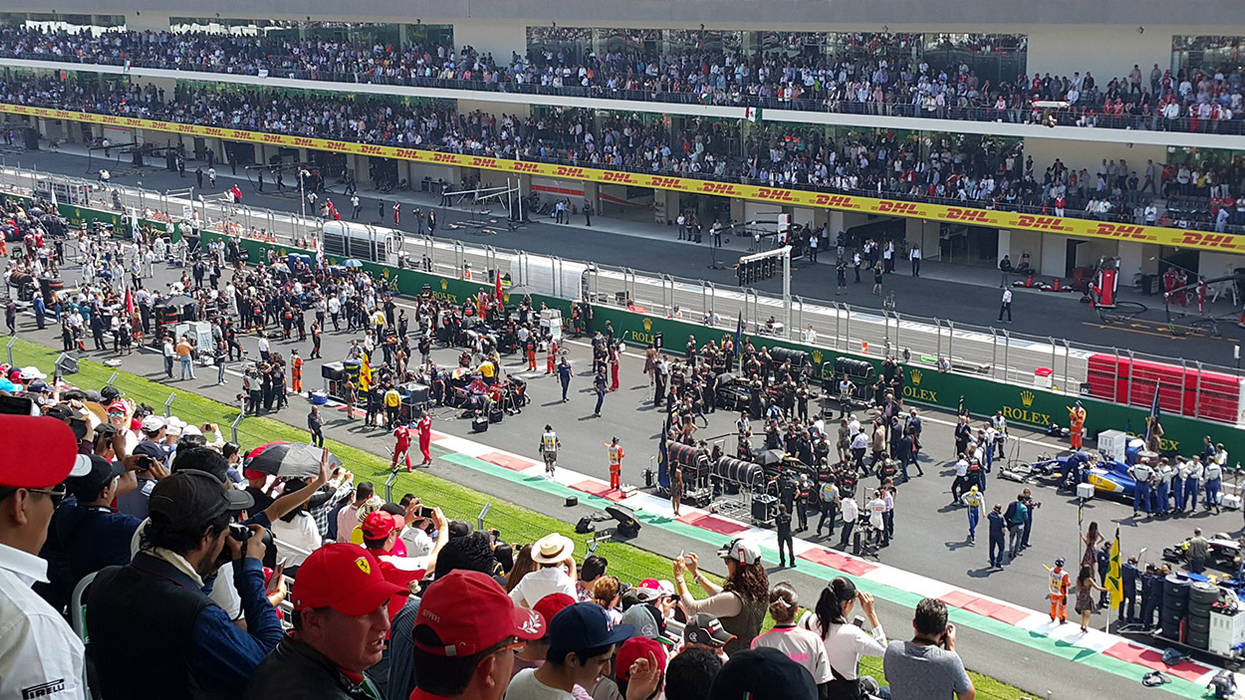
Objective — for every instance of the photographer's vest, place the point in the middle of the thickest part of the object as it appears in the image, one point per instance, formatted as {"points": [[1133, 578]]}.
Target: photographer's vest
{"points": [[745, 626]]}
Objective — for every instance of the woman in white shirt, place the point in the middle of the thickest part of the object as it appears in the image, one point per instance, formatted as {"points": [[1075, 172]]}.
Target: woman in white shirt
{"points": [[845, 642], [798, 643]]}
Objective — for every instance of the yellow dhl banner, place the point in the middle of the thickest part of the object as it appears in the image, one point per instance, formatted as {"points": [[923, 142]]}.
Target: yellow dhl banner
{"points": [[1068, 226]]}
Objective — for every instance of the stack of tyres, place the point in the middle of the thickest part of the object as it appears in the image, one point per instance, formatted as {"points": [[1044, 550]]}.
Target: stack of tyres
{"points": [[1201, 596], [1175, 607]]}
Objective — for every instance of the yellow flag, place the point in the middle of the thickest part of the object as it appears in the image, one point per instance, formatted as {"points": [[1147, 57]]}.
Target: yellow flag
{"points": [[365, 375], [1115, 586]]}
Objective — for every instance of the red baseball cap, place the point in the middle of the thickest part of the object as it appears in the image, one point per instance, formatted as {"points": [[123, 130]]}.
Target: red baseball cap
{"points": [[377, 525], [38, 451], [344, 577], [552, 604], [638, 648], [469, 612]]}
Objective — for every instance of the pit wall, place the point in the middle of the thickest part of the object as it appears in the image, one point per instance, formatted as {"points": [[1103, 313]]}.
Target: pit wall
{"points": [[1021, 405]]}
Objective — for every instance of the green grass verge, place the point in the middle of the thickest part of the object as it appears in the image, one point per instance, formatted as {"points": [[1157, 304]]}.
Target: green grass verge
{"points": [[516, 522]]}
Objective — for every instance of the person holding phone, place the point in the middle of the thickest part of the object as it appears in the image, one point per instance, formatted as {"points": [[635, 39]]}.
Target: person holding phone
{"points": [[927, 666]]}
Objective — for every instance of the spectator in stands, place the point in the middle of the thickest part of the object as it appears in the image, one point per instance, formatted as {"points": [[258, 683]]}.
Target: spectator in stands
{"points": [[704, 631], [340, 624], [592, 569], [927, 666], [799, 644], [690, 674], [465, 634], [763, 674], [39, 653], [153, 614], [635, 680], [381, 531], [740, 604], [555, 555], [581, 644], [845, 642], [85, 534], [348, 518], [533, 654]]}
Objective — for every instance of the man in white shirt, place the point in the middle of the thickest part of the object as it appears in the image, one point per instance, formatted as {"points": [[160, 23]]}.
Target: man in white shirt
{"points": [[555, 554], [1006, 307], [850, 512], [40, 656], [810, 336]]}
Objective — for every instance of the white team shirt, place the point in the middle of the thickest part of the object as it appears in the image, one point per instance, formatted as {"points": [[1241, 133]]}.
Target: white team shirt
{"points": [[40, 656]]}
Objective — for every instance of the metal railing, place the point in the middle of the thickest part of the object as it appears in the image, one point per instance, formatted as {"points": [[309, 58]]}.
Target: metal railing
{"points": [[1002, 355]]}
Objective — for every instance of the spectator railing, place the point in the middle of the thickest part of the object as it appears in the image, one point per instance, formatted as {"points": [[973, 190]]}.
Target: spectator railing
{"points": [[1004, 355]]}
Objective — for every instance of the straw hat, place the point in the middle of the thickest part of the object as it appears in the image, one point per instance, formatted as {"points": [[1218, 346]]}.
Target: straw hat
{"points": [[552, 548]]}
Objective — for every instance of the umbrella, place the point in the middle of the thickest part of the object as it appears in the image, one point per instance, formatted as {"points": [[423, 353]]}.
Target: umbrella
{"points": [[288, 459], [281, 267], [351, 262], [179, 300]]}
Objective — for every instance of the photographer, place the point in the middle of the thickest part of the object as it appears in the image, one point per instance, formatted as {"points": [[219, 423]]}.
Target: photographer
{"points": [[1032, 505], [927, 666], [154, 627]]}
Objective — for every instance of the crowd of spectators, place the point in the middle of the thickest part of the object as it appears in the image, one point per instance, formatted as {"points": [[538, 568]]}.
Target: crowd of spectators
{"points": [[946, 168], [877, 81]]}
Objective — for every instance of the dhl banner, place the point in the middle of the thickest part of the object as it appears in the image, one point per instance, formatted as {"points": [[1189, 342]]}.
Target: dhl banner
{"points": [[1068, 226]]}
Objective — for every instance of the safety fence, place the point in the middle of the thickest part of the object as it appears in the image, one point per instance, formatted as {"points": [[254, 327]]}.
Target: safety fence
{"points": [[934, 345]]}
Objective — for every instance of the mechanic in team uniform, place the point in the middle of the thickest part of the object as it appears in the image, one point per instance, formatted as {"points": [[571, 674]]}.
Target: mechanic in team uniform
{"points": [[1141, 473]]}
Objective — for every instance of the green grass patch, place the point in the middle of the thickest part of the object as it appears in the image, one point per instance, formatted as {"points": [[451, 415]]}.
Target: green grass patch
{"points": [[517, 523]]}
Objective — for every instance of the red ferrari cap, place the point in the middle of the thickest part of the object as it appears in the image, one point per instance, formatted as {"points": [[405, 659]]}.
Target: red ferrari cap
{"points": [[38, 451], [469, 612], [344, 577]]}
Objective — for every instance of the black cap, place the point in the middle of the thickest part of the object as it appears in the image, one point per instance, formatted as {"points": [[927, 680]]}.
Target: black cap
{"points": [[88, 486], [109, 392], [191, 498], [763, 674]]}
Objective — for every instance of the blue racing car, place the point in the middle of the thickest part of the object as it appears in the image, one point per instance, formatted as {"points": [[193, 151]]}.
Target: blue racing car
{"points": [[1107, 476]]}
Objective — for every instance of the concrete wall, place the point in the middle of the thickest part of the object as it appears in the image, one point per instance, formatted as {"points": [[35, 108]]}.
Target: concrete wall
{"points": [[1089, 155], [1079, 47], [498, 37]]}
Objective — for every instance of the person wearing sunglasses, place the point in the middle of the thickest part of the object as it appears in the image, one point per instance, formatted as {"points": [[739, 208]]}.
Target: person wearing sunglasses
{"points": [[40, 656]]}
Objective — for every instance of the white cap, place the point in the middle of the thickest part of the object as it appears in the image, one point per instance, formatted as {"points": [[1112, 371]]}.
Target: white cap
{"points": [[741, 551], [32, 372], [152, 423], [191, 430], [175, 426]]}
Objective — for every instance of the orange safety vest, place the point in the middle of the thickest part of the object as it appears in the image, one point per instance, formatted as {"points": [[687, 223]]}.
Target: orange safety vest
{"points": [[297, 367]]}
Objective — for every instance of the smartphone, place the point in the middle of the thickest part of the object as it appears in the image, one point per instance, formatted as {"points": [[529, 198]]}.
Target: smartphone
{"points": [[423, 511], [277, 574], [18, 406]]}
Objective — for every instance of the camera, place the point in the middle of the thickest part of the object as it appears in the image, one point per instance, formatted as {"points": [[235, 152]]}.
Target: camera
{"points": [[240, 532]]}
